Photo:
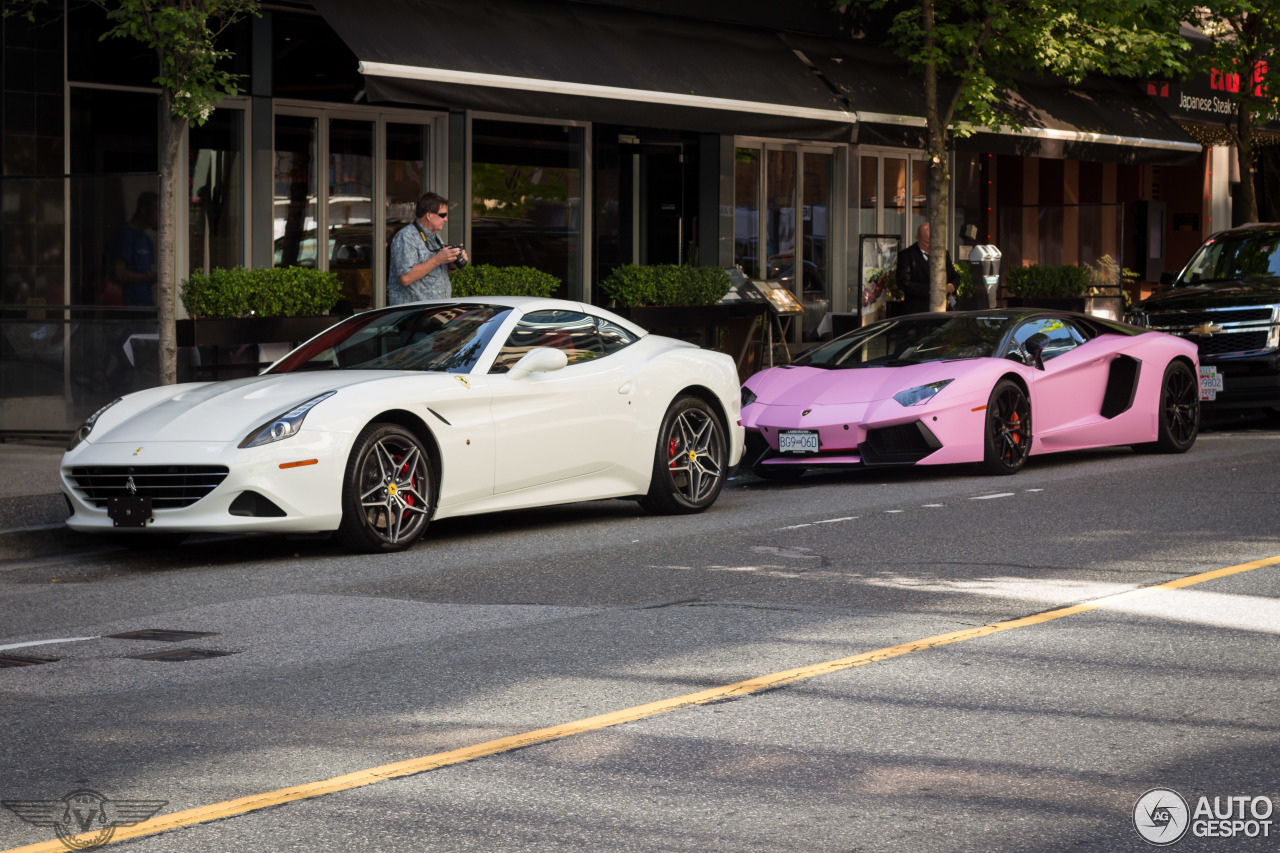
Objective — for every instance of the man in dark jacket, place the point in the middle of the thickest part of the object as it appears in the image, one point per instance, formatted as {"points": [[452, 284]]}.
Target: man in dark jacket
{"points": [[913, 273]]}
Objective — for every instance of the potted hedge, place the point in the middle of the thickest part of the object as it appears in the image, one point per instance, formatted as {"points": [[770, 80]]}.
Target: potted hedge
{"points": [[668, 295], [1060, 287], [487, 280], [257, 306]]}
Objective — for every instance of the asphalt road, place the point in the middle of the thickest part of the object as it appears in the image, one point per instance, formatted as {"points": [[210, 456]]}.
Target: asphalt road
{"points": [[1041, 735]]}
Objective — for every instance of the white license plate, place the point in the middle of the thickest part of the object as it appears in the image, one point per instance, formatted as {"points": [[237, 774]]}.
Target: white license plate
{"points": [[1210, 383], [798, 441]]}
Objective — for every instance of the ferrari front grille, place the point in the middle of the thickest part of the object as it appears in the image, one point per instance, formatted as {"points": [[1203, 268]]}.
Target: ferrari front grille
{"points": [[168, 486]]}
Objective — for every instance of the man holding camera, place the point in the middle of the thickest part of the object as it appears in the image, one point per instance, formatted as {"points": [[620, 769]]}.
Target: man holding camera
{"points": [[420, 260]]}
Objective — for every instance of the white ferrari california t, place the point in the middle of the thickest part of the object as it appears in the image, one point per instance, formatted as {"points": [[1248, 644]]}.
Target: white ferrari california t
{"points": [[398, 416]]}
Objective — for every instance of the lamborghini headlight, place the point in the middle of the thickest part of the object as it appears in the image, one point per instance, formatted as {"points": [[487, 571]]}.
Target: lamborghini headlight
{"points": [[284, 426], [921, 393], [87, 427], [748, 396]]}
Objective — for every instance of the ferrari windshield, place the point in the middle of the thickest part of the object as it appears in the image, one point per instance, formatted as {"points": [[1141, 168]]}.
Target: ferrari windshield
{"points": [[447, 338], [912, 340], [1234, 255]]}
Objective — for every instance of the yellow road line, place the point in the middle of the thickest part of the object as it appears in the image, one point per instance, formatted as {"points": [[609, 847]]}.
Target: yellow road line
{"points": [[255, 802]]}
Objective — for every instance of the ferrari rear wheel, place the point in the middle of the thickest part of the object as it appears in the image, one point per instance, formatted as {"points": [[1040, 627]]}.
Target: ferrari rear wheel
{"points": [[690, 460], [1008, 429], [387, 491], [1179, 410]]}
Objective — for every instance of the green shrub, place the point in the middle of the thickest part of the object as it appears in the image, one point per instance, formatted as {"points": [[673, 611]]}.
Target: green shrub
{"points": [[965, 288], [1047, 280], [487, 280], [274, 292], [666, 285]]}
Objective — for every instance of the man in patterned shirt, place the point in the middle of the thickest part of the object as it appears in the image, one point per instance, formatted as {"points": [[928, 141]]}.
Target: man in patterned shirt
{"points": [[419, 268]]}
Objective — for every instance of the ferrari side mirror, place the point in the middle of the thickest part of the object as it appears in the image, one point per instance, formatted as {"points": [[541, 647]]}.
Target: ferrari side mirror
{"points": [[538, 360]]}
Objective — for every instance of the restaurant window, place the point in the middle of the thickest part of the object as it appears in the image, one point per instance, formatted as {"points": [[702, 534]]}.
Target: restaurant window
{"points": [[526, 198], [215, 163]]}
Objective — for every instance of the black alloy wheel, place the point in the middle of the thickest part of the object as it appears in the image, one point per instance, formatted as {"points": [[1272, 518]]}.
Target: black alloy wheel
{"points": [[690, 460], [1008, 429], [1179, 410], [387, 490]]}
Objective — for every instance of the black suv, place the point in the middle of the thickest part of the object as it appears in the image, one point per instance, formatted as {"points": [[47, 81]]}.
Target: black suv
{"points": [[1227, 301]]}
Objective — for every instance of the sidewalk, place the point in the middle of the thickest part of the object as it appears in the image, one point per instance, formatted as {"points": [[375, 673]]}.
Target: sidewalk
{"points": [[32, 509]]}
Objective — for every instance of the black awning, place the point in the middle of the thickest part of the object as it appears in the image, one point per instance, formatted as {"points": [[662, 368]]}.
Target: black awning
{"points": [[578, 61], [1099, 119]]}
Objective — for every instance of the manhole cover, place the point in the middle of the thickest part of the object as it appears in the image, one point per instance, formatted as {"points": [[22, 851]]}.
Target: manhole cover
{"points": [[19, 660], [162, 636], [182, 654]]}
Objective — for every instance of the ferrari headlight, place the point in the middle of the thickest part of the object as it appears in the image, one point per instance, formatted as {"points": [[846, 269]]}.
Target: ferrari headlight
{"points": [[87, 427], [748, 396], [284, 426], [921, 393]]}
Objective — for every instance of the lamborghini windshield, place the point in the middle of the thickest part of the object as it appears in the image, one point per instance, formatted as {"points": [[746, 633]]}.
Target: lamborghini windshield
{"points": [[447, 338], [1234, 255], [912, 340]]}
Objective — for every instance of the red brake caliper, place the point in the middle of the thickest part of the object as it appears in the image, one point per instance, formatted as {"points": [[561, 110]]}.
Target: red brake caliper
{"points": [[672, 448], [1013, 421]]}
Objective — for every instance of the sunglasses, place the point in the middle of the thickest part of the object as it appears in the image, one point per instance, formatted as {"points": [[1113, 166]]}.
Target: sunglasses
{"points": [[444, 215]]}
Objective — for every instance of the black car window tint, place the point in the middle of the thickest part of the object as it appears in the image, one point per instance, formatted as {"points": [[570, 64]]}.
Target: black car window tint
{"points": [[1062, 336]]}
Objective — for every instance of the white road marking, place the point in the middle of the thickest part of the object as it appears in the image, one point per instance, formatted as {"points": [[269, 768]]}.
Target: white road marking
{"points": [[931, 505], [992, 497], [835, 520], [1033, 490], [891, 511], [46, 642]]}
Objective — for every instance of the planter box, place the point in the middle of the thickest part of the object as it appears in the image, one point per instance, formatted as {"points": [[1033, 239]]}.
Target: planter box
{"points": [[200, 332]]}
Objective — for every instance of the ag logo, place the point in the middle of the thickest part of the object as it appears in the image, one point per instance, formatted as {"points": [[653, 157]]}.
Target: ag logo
{"points": [[1161, 816], [84, 818]]}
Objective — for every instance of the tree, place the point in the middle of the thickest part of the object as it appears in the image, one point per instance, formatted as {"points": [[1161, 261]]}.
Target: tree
{"points": [[192, 80], [1243, 37], [969, 52]]}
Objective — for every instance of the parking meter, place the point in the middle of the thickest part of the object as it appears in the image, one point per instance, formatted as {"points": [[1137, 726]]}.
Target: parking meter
{"points": [[984, 270]]}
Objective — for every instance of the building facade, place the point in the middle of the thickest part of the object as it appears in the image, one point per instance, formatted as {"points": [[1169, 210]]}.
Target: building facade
{"points": [[569, 136]]}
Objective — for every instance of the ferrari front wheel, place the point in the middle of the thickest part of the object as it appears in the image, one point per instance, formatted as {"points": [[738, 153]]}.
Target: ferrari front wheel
{"points": [[387, 490], [690, 460], [1007, 439]]}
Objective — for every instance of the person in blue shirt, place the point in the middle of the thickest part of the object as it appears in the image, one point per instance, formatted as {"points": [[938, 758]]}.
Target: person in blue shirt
{"points": [[419, 263], [133, 254]]}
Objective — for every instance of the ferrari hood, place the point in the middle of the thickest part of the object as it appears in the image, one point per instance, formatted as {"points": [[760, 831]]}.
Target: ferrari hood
{"points": [[815, 386], [227, 411]]}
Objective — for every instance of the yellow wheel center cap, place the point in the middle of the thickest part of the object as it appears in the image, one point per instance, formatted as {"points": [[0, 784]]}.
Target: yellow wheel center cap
{"points": [[693, 454], [391, 489]]}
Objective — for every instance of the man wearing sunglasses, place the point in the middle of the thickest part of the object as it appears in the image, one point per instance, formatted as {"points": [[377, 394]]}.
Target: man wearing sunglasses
{"points": [[420, 261]]}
